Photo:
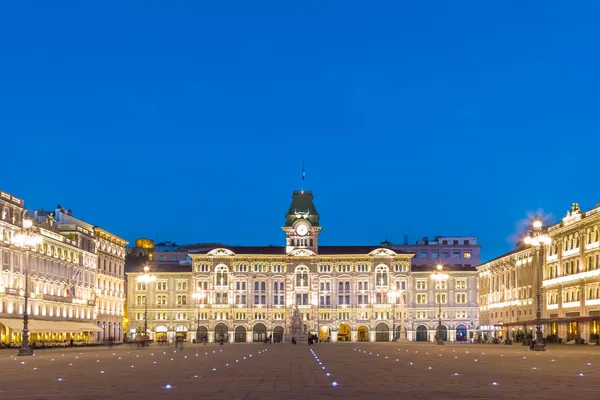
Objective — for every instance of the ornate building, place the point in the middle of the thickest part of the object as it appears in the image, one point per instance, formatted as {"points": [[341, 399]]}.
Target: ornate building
{"points": [[110, 302], [568, 268], [57, 273], [345, 293]]}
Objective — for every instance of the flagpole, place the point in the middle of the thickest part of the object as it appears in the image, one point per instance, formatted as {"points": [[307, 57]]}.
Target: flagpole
{"points": [[303, 175]]}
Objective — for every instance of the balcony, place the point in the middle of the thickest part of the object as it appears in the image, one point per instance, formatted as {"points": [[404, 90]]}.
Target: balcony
{"points": [[61, 299]]}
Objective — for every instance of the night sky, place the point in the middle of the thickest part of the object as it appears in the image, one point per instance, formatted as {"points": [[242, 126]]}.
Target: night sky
{"points": [[188, 121]]}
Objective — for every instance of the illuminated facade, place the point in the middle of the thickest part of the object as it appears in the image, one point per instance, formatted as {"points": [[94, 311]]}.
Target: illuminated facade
{"points": [[570, 282], [345, 293], [61, 271], [110, 289]]}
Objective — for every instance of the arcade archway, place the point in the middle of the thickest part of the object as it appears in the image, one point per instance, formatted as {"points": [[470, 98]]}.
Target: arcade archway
{"points": [[461, 333], [239, 335], [382, 332], [221, 332], [363, 334], [259, 333], [278, 334], [201, 334], [344, 333], [421, 333]]}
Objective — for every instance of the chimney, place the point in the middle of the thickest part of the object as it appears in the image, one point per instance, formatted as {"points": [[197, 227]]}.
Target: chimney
{"points": [[406, 240]]}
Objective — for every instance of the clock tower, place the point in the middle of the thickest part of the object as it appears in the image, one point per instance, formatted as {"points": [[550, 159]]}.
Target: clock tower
{"points": [[302, 223]]}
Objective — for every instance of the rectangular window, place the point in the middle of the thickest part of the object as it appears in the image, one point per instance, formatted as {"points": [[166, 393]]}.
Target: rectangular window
{"points": [[456, 254], [302, 299], [140, 300], [434, 254], [181, 299], [466, 242], [441, 285], [444, 298], [461, 298], [421, 298], [421, 285], [445, 254], [161, 299], [467, 254], [462, 284], [423, 254], [363, 299]]}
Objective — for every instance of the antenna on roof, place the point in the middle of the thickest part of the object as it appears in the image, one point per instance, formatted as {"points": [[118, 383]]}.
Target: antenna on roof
{"points": [[303, 175]]}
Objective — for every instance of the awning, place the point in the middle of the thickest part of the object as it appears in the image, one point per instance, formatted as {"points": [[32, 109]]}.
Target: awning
{"points": [[86, 327], [42, 326], [12, 324]]}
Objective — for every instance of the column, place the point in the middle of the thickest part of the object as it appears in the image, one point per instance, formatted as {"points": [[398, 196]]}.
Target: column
{"points": [[248, 336], [334, 336], [562, 331], [211, 336], [451, 335], [371, 335], [584, 331], [354, 335]]}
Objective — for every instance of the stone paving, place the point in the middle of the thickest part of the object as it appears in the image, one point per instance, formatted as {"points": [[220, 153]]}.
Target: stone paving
{"points": [[284, 371]]}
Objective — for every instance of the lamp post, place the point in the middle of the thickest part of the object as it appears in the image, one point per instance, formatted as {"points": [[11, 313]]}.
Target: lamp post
{"points": [[537, 238], [146, 278], [27, 240], [440, 277], [199, 296]]}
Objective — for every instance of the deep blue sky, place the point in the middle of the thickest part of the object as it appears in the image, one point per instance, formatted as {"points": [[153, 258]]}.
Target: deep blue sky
{"points": [[188, 121]]}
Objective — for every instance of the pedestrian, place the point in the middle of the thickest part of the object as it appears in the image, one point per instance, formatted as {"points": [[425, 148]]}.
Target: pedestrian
{"points": [[71, 342], [293, 340]]}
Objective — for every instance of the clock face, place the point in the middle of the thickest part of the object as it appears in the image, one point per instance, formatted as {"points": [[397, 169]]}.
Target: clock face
{"points": [[302, 230]]}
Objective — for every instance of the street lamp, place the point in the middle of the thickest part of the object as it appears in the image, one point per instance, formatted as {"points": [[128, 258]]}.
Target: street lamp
{"points": [[199, 296], [146, 278], [28, 240], [440, 277], [536, 237]]}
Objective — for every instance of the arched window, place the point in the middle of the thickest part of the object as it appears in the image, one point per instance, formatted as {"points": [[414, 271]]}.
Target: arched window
{"points": [[381, 275], [302, 277], [221, 275]]}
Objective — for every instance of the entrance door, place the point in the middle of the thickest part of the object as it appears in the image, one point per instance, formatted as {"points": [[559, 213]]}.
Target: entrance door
{"points": [[421, 333], [221, 333], [259, 333], [382, 332], [344, 333], [363, 334], [278, 334], [573, 332], [461, 333], [201, 334], [442, 332], [240, 334]]}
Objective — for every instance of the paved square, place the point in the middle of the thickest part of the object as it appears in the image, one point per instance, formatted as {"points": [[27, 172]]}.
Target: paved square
{"points": [[345, 370]]}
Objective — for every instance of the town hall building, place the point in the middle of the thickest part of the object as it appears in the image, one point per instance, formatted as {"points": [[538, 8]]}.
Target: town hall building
{"points": [[344, 293]]}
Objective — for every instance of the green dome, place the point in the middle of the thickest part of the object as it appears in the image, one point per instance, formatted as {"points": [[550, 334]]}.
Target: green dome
{"points": [[302, 207]]}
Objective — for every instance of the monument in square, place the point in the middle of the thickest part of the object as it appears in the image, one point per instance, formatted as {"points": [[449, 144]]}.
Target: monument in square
{"points": [[297, 329]]}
